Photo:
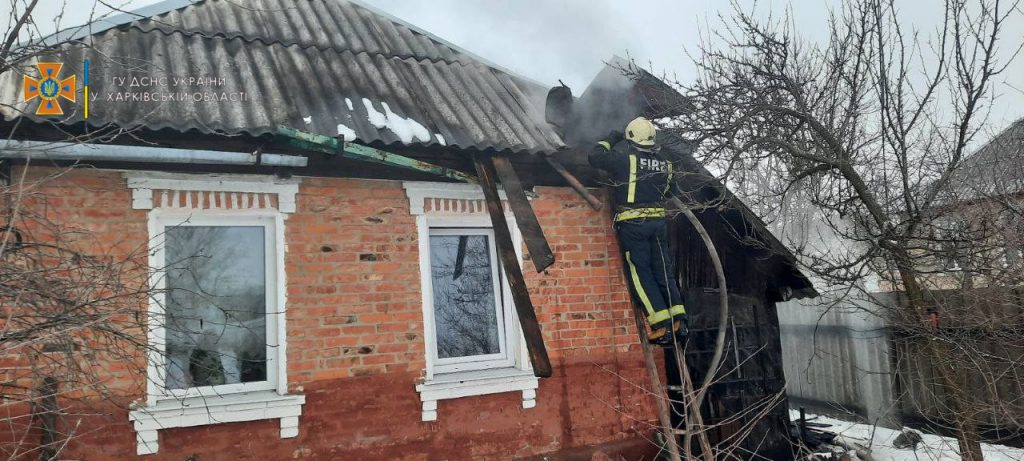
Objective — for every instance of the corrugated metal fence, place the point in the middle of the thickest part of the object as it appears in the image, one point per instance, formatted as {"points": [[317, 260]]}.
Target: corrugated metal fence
{"points": [[837, 360]]}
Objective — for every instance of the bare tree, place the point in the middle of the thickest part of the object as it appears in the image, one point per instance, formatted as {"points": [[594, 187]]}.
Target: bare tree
{"points": [[70, 307], [870, 129]]}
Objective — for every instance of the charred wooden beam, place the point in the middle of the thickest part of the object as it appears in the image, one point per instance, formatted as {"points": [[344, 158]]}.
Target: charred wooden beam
{"points": [[517, 284], [576, 185], [329, 145], [540, 251]]}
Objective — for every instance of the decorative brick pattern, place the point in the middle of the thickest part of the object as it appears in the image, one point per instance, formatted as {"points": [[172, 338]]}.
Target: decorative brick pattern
{"points": [[205, 200]]}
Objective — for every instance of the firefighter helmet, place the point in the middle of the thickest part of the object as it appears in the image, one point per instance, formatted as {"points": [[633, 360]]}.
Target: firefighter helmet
{"points": [[641, 131]]}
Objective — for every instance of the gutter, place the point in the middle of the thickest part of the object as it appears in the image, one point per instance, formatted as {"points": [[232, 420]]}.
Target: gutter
{"points": [[147, 154]]}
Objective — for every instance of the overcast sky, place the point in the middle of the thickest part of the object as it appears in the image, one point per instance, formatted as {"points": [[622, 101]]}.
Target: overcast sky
{"points": [[548, 40]]}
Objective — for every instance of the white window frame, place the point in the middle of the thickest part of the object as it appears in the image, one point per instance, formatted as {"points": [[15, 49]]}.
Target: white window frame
{"points": [[448, 380], [504, 309], [160, 221], [238, 402]]}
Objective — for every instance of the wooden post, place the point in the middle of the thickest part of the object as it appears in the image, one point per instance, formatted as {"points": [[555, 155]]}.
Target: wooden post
{"points": [[509, 260], [694, 419], [540, 251]]}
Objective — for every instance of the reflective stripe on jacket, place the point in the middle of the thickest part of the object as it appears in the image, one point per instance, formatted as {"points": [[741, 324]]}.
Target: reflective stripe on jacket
{"points": [[640, 178]]}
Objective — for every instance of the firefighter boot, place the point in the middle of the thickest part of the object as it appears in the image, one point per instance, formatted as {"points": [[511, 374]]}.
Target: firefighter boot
{"points": [[681, 329], [660, 336]]}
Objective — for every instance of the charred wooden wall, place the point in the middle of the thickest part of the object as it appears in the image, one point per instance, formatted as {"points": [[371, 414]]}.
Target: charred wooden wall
{"points": [[746, 405]]}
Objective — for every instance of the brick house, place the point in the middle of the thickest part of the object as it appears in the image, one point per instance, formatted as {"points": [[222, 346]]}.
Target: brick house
{"points": [[354, 310]]}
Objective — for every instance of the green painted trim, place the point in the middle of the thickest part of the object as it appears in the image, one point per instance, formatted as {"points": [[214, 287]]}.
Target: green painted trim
{"points": [[329, 145]]}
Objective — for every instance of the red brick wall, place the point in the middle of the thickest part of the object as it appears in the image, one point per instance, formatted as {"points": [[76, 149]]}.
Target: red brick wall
{"points": [[355, 336], [89, 211]]}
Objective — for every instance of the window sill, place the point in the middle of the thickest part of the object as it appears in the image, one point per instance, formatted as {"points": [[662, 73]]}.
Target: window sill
{"points": [[479, 382], [200, 411]]}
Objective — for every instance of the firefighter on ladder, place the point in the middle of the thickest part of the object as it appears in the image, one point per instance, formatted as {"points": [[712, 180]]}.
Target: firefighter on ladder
{"points": [[642, 182]]}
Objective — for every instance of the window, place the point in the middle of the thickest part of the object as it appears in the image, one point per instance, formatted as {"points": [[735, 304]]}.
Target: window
{"points": [[218, 299], [950, 234], [474, 345], [469, 307], [217, 348], [1012, 257]]}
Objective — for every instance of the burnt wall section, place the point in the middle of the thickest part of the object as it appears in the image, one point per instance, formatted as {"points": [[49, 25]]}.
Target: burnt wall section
{"points": [[746, 407], [748, 270]]}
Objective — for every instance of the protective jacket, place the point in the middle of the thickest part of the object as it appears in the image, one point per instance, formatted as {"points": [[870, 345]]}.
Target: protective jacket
{"points": [[641, 178], [642, 182]]}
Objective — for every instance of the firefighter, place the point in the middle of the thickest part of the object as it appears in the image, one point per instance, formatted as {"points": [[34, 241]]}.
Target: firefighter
{"points": [[642, 183]]}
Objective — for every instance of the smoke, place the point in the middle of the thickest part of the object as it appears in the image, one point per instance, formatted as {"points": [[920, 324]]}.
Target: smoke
{"points": [[607, 104], [552, 40], [569, 40], [620, 92]]}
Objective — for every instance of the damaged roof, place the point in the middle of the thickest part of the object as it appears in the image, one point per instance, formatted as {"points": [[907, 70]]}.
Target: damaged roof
{"points": [[332, 67], [622, 91]]}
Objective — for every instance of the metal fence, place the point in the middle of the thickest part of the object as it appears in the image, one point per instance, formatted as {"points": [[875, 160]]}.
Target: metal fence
{"points": [[838, 361], [849, 361]]}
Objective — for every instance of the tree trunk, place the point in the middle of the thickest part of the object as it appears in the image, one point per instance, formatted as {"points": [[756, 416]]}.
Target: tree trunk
{"points": [[46, 410], [969, 440], [952, 382]]}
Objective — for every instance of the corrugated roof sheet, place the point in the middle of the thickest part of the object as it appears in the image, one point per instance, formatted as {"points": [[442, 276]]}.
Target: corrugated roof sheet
{"points": [[307, 64], [994, 170]]}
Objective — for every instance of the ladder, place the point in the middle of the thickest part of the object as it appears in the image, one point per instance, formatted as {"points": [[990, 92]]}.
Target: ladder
{"points": [[694, 422], [662, 398]]}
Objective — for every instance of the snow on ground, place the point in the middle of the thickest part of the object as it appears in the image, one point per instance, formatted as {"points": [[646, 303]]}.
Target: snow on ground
{"points": [[932, 448]]}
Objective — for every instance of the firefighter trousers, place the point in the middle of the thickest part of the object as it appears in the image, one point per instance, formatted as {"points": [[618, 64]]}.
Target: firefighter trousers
{"points": [[650, 271]]}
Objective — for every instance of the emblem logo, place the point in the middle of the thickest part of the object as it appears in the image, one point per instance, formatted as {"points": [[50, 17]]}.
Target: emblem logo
{"points": [[49, 89]]}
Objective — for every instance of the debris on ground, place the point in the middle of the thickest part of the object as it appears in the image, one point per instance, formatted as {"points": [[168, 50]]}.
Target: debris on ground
{"points": [[865, 442], [908, 438]]}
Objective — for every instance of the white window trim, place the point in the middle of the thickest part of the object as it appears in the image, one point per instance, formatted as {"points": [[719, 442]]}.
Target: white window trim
{"points": [[215, 404], [437, 385]]}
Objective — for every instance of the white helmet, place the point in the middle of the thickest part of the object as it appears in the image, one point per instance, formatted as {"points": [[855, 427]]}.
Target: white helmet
{"points": [[641, 132]]}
